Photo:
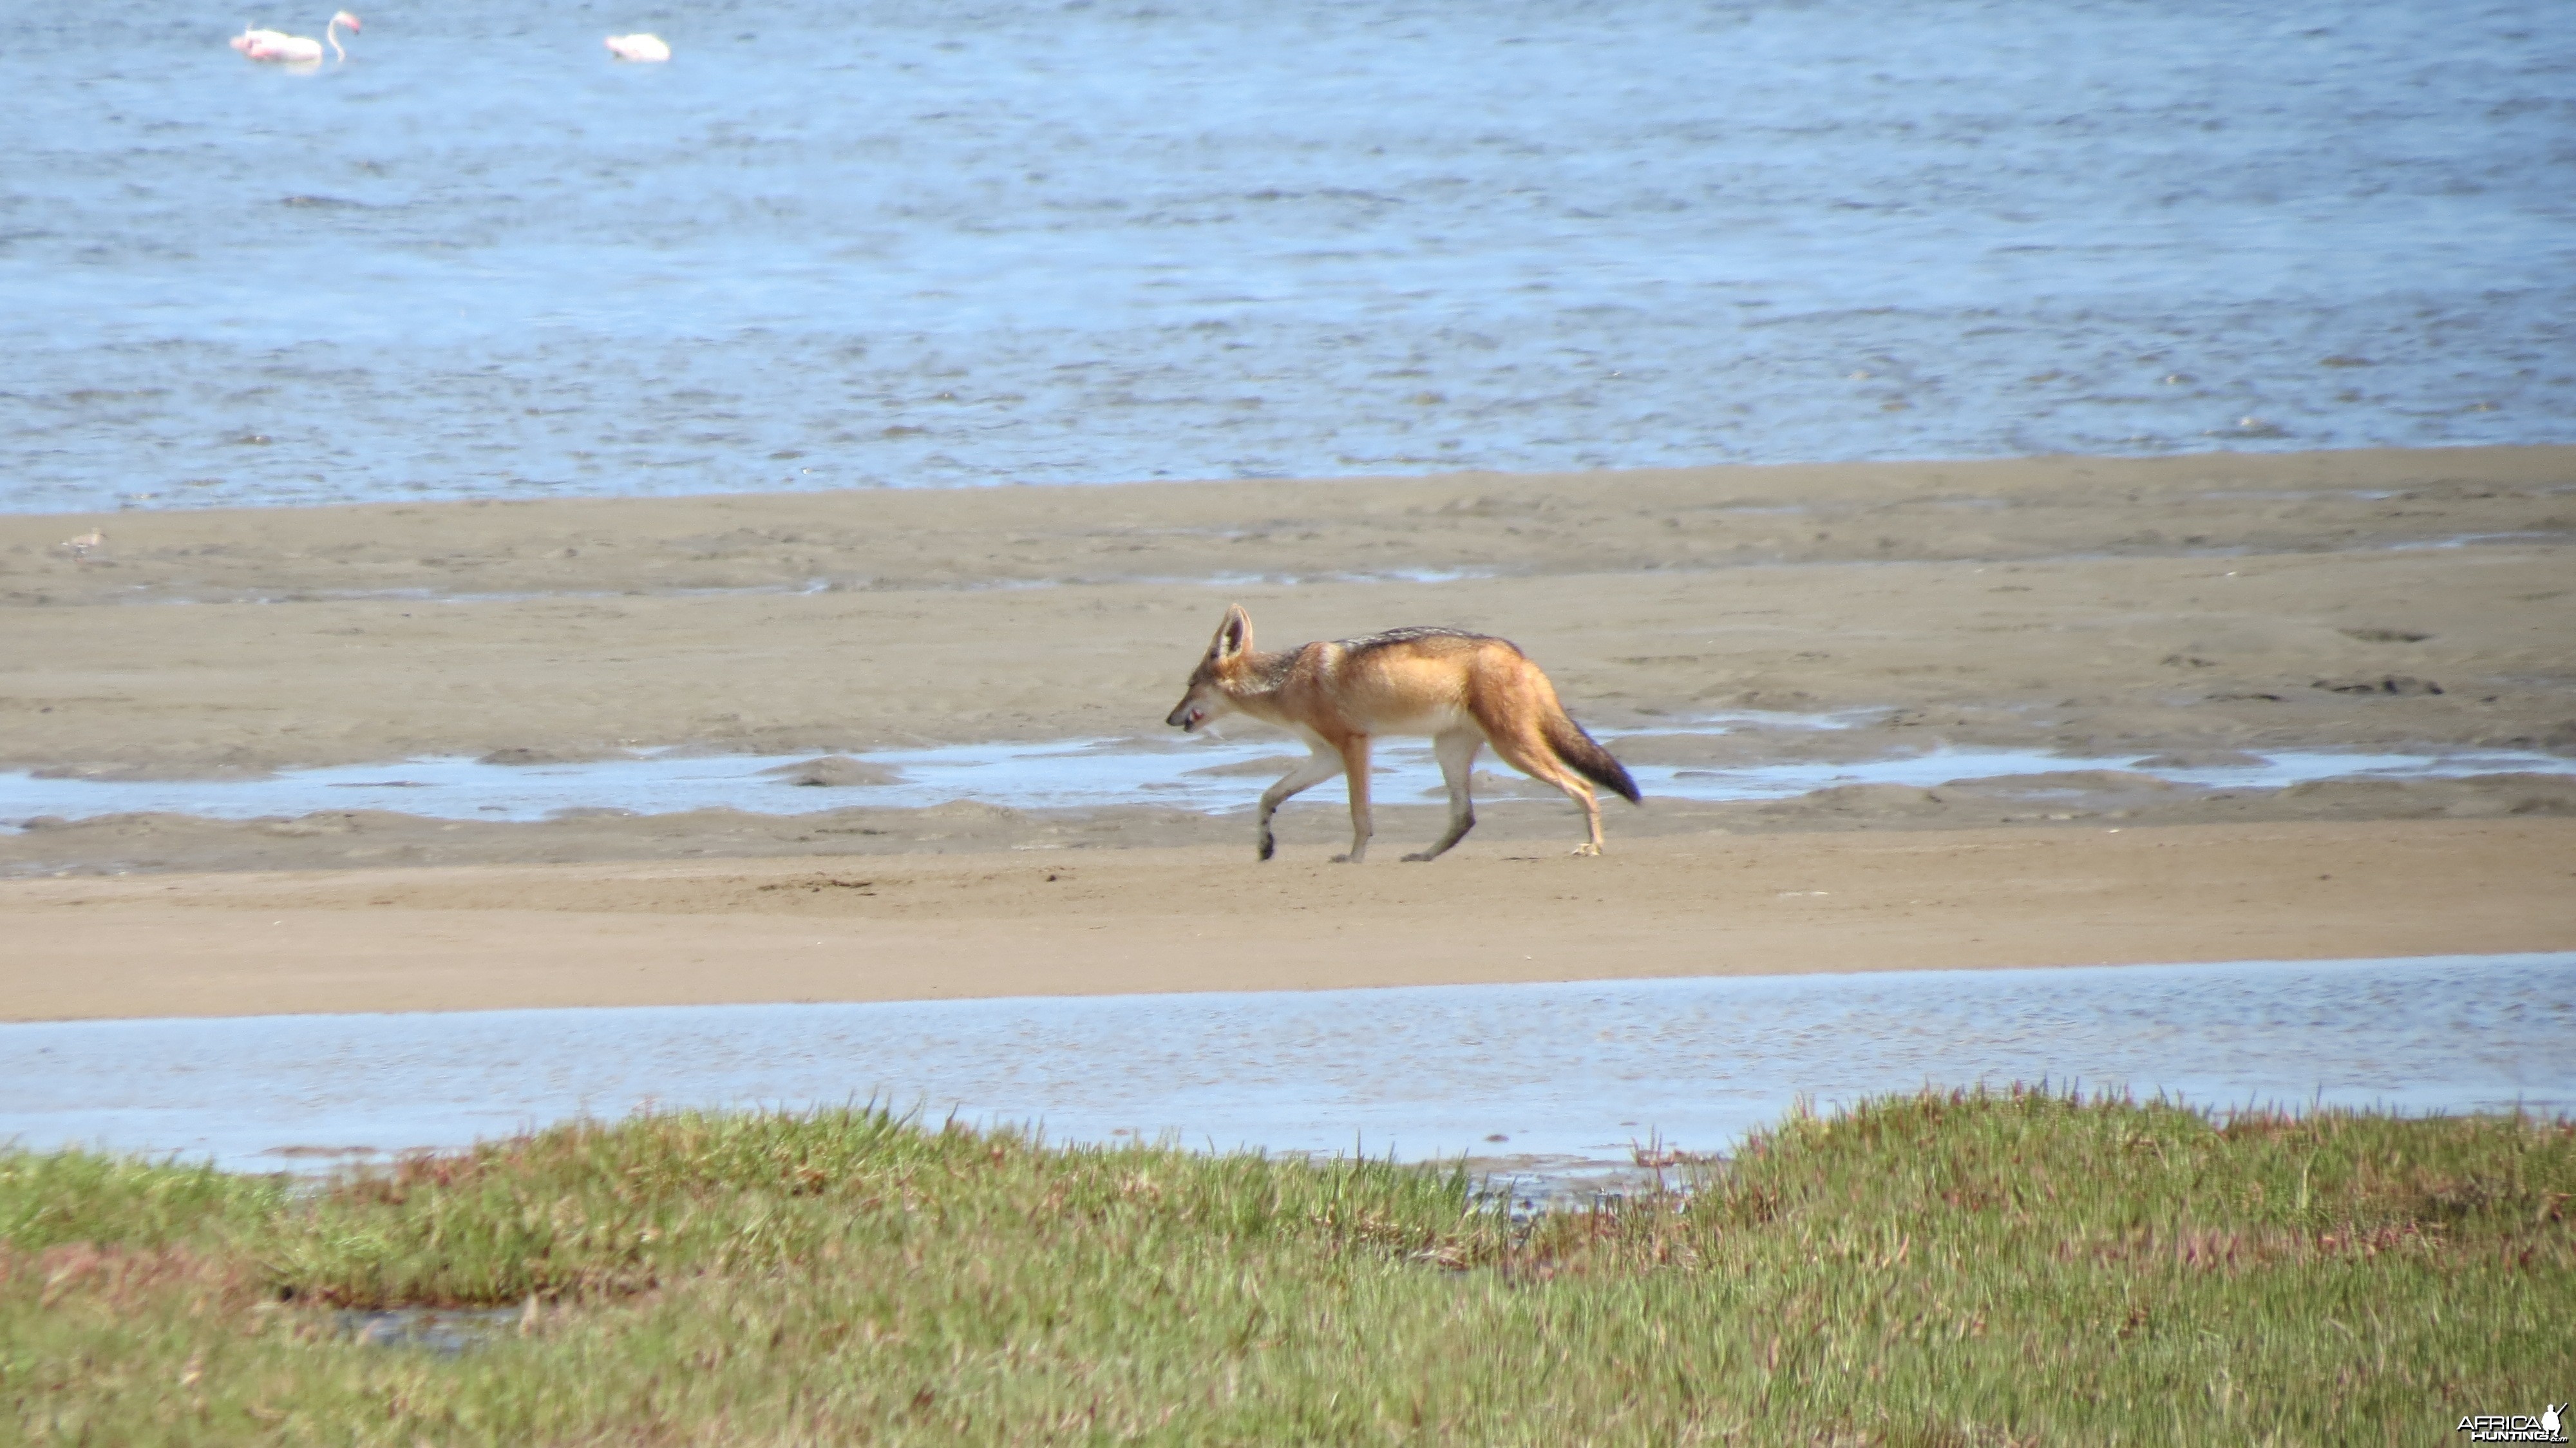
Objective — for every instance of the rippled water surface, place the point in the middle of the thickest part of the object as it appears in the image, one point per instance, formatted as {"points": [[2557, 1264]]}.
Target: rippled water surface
{"points": [[851, 244], [1571, 1071]]}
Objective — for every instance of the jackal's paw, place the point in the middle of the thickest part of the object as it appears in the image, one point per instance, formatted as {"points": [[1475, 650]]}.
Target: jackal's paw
{"points": [[1418, 856], [1587, 849], [1346, 859]]}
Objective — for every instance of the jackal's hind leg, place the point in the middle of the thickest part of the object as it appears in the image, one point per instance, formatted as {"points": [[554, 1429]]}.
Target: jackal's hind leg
{"points": [[1322, 765], [1581, 794], [1532, 757], [1456, 751]]}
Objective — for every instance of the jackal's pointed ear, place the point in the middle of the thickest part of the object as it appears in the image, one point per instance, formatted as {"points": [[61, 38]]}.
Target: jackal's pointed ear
{"points": [[1234, 636]]}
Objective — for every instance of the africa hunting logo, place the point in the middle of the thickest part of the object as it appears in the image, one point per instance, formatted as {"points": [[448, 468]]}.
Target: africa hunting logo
{"points": [[2515, 1427]]}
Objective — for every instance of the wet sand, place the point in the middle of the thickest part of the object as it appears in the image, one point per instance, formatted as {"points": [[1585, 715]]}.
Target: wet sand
{"points": [[2197, 601], [921, 927], [2402, 600]]}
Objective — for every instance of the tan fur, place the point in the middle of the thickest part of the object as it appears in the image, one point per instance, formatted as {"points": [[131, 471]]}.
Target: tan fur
{"points": [[1464, 690]]}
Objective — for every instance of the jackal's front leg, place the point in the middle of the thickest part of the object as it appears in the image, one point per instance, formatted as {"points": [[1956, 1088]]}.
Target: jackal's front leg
{"points": [[1355, 768], [1321, 766]]}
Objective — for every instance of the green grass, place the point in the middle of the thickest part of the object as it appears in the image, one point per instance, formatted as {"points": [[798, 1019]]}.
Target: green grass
{"points": [[1926, 1270]]}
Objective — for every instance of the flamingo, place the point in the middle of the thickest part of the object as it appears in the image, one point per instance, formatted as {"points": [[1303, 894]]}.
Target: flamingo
{"points": [[285, 49], [638, 46]]}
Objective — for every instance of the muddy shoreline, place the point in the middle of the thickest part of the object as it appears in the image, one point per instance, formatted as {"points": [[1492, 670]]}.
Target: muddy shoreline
{"points": [[116, 845]]}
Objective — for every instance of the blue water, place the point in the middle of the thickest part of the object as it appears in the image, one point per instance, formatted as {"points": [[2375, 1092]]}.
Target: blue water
{"points": [[1204, 774], [858, 244], [1575, 1071]]}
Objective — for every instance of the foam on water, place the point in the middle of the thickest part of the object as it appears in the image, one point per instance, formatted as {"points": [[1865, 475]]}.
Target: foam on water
{"points": [[838, 245], [1200, 774], [1572, 1072]]}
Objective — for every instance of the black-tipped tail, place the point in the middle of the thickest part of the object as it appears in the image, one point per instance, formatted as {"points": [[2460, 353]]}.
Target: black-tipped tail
{"points": [[1585, 756]]}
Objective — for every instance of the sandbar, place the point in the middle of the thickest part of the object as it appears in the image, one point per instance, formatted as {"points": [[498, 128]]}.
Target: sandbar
{"points": [[2395, 600]]}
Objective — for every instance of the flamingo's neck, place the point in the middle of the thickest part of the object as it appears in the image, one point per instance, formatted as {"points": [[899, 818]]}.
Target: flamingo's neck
{"points": [[331, 32]]}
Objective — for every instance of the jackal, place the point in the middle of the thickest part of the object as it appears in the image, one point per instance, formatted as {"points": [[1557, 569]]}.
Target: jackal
{"points": [[1462, 689]]}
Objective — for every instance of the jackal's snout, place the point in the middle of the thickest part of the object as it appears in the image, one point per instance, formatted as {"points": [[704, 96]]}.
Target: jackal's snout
{"points": [[1197, 707]]}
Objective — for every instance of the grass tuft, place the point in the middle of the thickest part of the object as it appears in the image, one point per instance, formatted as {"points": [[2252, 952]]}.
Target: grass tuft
{"points": [[1944, 1268]]}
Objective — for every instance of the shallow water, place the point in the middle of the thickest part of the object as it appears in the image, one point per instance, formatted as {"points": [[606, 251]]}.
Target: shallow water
{"points": [[439, 1331], [1101, 773], [1570, 1072], [835, 245]]}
